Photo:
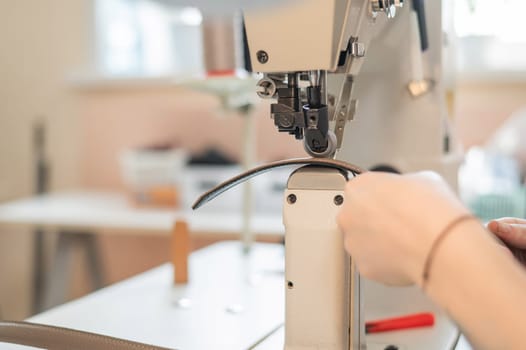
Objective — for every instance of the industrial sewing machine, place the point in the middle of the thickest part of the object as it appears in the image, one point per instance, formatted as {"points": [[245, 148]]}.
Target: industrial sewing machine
{"points": [[376, 63], [360, 81], [375, 67]]}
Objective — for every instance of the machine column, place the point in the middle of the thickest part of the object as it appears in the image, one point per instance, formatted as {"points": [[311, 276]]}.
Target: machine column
{"points": [[323, 304]]}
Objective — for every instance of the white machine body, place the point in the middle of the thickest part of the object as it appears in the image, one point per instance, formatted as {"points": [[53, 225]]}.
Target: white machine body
{"points": [[391, 126], [379, 118], [308, 34], [359, 80], [300, 35], [323, 309]]}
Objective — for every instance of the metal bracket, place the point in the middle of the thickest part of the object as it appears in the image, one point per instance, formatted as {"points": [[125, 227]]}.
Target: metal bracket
{"points": [[387, 6], [357, 49], [345, 110]]}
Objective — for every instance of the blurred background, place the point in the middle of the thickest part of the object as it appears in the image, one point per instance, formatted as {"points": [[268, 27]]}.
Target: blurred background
{"points": [[124, 97]]}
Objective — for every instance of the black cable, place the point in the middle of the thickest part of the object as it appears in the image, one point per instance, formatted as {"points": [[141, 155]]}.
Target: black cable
{"points": [[418, 7]]}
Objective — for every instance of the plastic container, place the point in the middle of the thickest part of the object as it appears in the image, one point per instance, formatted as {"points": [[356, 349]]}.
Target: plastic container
{"points": [[154, 177]]}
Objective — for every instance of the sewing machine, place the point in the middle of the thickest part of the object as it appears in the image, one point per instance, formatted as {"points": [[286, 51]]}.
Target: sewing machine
{"points": [[360, 81]]}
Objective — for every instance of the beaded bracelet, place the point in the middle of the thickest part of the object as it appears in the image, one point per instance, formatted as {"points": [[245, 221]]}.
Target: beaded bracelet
{"points": [[436, 244]]}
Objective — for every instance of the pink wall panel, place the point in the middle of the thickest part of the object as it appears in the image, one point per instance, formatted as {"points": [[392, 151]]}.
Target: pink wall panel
{"points": [[114, 120]]}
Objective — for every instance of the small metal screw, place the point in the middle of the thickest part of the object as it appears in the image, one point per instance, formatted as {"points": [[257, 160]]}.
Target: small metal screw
{"points": [[291, 199], [262, 56], [285, 121], [290, 285], [234, 309], [266, 88], [183, 303], [338, 200]]}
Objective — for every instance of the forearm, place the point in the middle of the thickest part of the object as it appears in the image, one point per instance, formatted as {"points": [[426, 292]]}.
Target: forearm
{"points": [[481, 287]]}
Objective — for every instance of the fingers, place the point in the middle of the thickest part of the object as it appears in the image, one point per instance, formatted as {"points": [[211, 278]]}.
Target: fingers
{"points": [[511, 220], [513, 234], [493, 226]]}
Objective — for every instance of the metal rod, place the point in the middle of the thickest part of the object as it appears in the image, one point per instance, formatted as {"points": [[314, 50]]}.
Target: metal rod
{"points": [[249, 155]]}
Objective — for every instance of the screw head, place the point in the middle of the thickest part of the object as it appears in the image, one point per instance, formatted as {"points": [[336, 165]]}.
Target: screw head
{"points": [[266, 88], [285, 121], [291, 199], [338, 200], [262, 56]]}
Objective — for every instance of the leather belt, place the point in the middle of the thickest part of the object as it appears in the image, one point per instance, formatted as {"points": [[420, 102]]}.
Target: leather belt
{"points": [[322, 162], [56, 338]]}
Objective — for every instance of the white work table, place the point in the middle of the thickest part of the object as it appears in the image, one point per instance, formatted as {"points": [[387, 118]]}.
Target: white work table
{"points": [[78, 215], [232, 302], [113, 211]]}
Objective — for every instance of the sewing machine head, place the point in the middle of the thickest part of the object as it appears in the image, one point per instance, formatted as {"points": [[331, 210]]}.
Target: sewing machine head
{"points": [[309, 52]]}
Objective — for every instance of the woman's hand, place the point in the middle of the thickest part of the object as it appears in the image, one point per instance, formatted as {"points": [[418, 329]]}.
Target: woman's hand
{"points": [[512, 231], [391, 221]]}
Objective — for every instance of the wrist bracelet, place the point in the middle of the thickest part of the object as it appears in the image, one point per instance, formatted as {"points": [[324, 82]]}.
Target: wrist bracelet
{"points": [[436, 244]]}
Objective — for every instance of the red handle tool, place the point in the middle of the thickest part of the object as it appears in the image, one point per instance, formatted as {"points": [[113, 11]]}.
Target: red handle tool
{"points": [[410, 321]]}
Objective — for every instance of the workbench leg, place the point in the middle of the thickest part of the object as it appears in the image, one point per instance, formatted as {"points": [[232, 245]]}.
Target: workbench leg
{"points": [[57, 281], [180, 251], [39, 271], [94, 260]]}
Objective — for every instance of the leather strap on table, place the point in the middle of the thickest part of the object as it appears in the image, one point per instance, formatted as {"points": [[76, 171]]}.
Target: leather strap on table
{"points": [[322, 162], [56, 338]]}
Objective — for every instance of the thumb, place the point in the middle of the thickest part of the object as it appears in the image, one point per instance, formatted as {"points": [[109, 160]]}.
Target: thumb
{"points": [[512, 234]]}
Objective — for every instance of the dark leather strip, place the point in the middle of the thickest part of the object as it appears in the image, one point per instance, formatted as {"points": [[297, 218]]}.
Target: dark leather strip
{"points": [[56, 338], [225, 186]]}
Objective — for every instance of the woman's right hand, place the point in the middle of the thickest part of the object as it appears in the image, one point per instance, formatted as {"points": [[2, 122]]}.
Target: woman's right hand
{"points": [[391, 221]]}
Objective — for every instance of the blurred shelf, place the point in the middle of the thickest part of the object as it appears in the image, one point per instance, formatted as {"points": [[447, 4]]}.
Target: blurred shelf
{"points": [[235, 83]]}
